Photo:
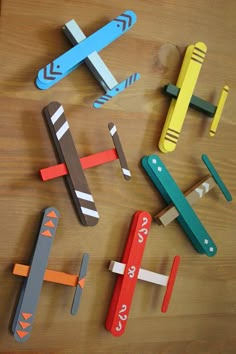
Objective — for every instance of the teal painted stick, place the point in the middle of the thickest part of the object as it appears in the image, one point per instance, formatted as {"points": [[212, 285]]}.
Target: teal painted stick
{"points": [[165, 195], [217, 178], [187, 219]]}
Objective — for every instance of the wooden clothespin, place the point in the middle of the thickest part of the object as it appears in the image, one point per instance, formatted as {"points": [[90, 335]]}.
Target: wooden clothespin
{"points": [[129, 272], [97, 66], [183, 98], [72, 167], [187, 218], [36, 273], [86, 49], [170, 213]]}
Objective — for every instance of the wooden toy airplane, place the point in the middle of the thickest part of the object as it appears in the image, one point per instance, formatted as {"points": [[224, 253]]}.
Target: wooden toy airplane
{"points": [[186, 216], [97, 66], [72, 167], [183, 97], [129, 271], [86, 49], [37, 273]]}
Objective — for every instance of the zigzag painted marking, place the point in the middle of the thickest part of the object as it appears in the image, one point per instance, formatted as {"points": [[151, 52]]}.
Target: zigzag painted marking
{"points": [[129, 18], [99, 102], [51, 72], [124, 22]]}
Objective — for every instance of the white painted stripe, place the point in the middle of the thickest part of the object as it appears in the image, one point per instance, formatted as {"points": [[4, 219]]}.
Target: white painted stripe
{"points": [[84, 196], [113, 130], [62, 130], [90, 212], [57, 114], [143, 274], [126, 172]]}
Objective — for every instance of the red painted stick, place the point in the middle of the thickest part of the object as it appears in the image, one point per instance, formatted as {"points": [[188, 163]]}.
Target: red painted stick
{"points": [[170, 284], [86, 162], [124, 290]]}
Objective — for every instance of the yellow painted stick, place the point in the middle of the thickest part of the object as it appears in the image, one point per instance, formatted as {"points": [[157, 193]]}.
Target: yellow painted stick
{"points": [[187, 80], [220, 107], [180, 80]]}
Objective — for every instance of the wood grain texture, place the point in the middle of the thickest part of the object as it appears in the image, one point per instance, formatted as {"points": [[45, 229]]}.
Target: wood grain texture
{"points": [[202, 314]]}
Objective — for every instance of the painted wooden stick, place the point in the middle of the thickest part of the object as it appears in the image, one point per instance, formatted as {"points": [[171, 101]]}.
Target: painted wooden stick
{"points": [[27, 304], [170, 213], [124, 290], [70, 60], [76, 180]]}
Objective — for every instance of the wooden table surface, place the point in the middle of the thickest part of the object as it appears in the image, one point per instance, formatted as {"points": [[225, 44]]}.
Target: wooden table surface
{"points": [[202, 313]]}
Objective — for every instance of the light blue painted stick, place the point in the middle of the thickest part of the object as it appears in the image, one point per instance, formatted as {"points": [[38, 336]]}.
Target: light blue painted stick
{"points": [[98, 67], [116, 90], [55, 71], [94, 62]]}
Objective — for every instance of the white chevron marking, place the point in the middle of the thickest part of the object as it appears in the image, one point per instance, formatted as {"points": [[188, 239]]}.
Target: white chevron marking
{"points": [[206, 186], [199, 191]]}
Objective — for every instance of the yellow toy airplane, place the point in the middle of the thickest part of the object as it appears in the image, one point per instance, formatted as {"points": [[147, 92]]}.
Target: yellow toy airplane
{"points": [[183, 92]]}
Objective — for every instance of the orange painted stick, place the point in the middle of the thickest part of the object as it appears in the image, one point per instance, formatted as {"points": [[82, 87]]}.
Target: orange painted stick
{"points": [[49, 275]]}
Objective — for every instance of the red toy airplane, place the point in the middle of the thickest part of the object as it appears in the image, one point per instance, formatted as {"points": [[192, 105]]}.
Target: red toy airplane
{"points": [[130, 269]]}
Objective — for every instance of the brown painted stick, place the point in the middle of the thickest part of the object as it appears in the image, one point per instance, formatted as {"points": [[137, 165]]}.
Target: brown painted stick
{"points": [[170, 213]]}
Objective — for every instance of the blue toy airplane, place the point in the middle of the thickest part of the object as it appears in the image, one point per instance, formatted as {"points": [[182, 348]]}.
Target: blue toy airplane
{"points": [[86, 50]]}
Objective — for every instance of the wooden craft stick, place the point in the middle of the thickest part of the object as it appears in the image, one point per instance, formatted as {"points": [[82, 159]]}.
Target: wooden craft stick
{"points": [[219, 110], [98, 67], [189, 221], [119, 150], [170, 213], [67, 154], [196, 103], [217, 177], [53, 172], [179, 83], [67, 62], [116, 90], [177, 112], [86, 162], [80, 284], [123, 293], [49, 275], [170, 284], [143, 274], [94, 62], [27, 304]]}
